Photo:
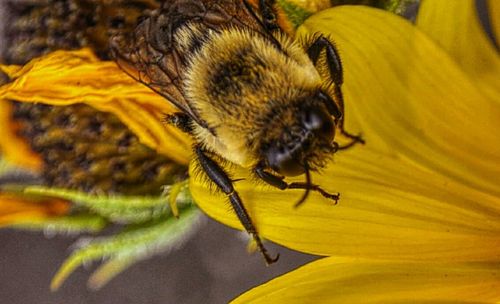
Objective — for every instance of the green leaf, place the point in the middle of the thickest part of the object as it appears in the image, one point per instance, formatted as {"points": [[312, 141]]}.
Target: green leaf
{"points": [[73, 224], [295, 14], [109, 270], [134, 244], [118, 208]]}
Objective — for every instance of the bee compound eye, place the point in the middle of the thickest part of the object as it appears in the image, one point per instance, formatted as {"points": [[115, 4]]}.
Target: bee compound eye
{"points": [[282, 160], [311, 120], [319, 122]]}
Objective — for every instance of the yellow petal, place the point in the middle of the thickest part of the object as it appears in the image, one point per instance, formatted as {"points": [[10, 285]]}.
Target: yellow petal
{"points": [[424, 186], [332, 280], [455, 26], [410, 98], [14, 148], [15, 210], [494, 13], [67, 77], [389, 208]]}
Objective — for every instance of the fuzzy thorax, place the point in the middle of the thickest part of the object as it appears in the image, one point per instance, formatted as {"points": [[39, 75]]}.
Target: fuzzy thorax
{"points": [[236, 80]]}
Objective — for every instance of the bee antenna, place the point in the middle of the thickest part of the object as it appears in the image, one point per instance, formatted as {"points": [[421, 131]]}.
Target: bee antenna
{"points": [[308, 186]]}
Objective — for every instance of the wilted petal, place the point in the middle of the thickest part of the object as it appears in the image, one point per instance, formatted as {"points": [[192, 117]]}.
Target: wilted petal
{"points": [[455, 26], [68, 77], [18, 210], [15, 149], [333, 280]]}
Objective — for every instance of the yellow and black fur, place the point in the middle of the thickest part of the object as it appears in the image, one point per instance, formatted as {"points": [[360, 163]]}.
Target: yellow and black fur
{"points": [[248, 93], [242, 90]]}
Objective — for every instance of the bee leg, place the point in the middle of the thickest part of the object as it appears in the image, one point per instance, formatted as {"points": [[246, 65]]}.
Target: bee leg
{"points": [[222, 180], [268, 21], [278, 182], [337, 76], [181, 121], [332, 55], [268, 15]]}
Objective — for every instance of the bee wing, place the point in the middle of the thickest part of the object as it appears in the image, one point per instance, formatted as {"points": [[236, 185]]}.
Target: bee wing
{"points": [[161, 72], [148, 53]]}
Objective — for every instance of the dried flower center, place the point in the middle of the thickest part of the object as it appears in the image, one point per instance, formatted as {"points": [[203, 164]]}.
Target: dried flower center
{"points": [[92, 151]]}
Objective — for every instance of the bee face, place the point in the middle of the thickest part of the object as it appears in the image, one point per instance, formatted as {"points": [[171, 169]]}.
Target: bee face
{"points": [[311, 134]]}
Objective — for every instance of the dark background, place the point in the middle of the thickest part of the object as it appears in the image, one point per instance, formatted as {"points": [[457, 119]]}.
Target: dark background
{"points": [[212, 267]]}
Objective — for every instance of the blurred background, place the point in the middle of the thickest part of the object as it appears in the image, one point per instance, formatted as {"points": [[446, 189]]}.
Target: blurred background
{"points": [[211, 267]]}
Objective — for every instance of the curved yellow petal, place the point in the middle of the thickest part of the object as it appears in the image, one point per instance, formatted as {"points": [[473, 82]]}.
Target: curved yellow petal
{"points": [[425, 185], [455, 26], [12, 147], [410, 98], [333, 280], [68, 77], [15, 210], [389, 208]]}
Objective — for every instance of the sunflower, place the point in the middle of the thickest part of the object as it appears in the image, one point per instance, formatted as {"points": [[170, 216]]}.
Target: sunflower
{"points": [[418, 220]]}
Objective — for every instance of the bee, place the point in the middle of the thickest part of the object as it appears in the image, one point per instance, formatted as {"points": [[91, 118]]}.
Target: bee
{"points": [[247, 92]]}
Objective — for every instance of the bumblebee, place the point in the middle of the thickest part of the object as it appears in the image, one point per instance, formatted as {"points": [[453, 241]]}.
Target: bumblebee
{"points": [[247, 92]]}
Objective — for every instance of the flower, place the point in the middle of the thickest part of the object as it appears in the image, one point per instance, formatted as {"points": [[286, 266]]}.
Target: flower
{"points": [[418, 218]]}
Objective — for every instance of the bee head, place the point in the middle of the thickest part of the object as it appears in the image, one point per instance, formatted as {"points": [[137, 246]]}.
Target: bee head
{"points": [[305, 142]]}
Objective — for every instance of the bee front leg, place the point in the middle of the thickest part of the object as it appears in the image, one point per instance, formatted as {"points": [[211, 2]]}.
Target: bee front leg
{"points": [[336, 74], [222, 180], [278, 182]]}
